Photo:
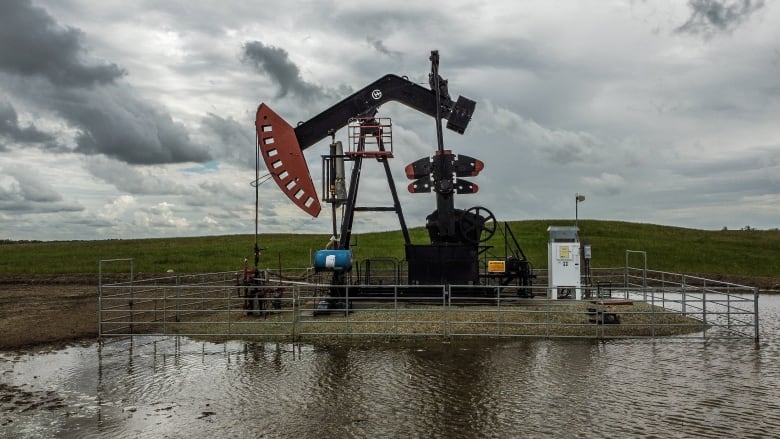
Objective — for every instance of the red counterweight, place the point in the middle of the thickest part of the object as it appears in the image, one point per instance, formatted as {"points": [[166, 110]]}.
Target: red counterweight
{"points": [[284, 159]]}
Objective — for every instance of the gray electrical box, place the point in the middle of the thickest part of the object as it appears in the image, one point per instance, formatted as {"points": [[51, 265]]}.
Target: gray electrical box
{"points": [[563, 263]]}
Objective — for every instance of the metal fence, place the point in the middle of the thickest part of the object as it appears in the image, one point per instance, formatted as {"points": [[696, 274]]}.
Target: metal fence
{"points": [[723, 306], [646, 304]]}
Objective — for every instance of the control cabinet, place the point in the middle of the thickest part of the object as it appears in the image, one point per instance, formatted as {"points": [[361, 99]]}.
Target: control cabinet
{"points": [[563, 263]]}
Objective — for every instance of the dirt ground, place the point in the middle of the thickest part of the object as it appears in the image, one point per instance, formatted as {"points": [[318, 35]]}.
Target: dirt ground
{"points": [[33, 314], [64, 309]]}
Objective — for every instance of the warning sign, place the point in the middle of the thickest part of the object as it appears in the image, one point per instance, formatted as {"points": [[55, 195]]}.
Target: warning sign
{"points": [[496, 266], [564, 252]]}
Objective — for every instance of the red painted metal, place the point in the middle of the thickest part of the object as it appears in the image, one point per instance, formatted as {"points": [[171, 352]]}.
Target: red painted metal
{"points": [[283, 157]]}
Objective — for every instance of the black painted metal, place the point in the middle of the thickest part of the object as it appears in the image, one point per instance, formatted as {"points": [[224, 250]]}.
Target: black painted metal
{"points": [[365, 101]]}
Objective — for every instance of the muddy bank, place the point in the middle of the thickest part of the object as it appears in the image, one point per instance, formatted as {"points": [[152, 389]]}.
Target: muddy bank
{"points": [[32, 314]]}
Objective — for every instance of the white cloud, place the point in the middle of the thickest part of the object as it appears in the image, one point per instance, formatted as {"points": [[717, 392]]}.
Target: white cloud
{"points": [[118, 208], [162, 215]]}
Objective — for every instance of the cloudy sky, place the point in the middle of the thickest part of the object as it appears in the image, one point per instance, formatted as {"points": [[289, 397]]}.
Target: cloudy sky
{"points": [[136, 119]]}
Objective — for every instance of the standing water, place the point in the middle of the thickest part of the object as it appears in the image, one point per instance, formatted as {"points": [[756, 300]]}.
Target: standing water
{"points": [[177, 387]]}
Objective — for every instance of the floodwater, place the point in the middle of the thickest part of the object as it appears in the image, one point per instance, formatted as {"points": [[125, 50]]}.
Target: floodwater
{"points": [[177, 387]]}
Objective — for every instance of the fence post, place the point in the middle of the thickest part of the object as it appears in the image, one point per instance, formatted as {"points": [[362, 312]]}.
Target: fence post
{"points": [[346, 309], [547, 318], [498, 310], [130, 305], [178, 302], [293, 312], [132, 284], [100, 312], [728, 306], [165, 314], [652, 315], [100, 302], [755, 313], [446, 291], [395, 309], [644, 276], [625, 275], [704, 304]]}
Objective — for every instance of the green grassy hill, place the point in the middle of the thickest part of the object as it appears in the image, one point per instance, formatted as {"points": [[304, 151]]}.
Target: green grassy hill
{"points": [[732, 253]]}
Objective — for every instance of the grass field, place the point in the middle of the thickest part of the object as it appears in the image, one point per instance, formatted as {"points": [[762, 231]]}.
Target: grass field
{"points": [[727, 252]]}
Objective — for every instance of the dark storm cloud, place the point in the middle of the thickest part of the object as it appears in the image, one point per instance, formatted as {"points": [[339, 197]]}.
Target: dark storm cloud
{"points": [[380, 47], [712, 16], [275, 61], [10, 128], [32, 43], [45, 67], [22, 207], [112, 121]]}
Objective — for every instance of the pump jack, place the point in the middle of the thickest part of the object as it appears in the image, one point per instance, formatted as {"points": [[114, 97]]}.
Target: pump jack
{"points": [[452, 257]]}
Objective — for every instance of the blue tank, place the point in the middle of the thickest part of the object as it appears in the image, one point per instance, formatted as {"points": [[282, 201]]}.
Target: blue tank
{"points": [[335, 260]]}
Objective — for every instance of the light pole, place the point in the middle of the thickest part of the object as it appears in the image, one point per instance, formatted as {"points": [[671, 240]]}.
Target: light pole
{"points": [[578, 198]]}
